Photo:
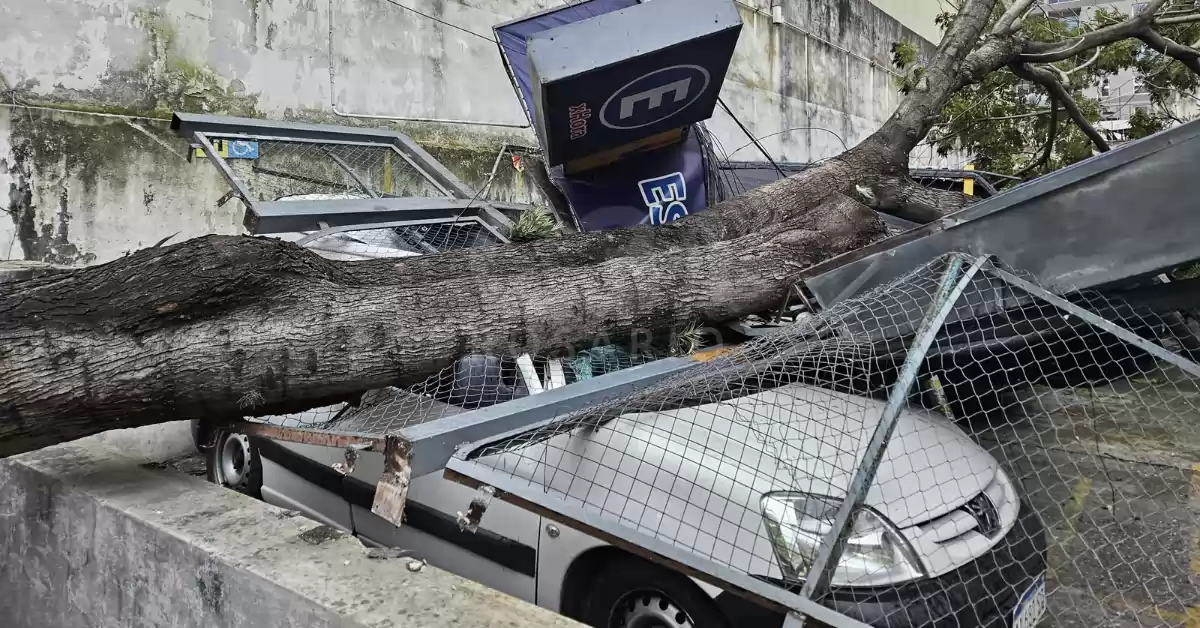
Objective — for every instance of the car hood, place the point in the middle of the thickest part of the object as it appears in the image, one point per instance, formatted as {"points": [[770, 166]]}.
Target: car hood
{"points": [[719, 459]]}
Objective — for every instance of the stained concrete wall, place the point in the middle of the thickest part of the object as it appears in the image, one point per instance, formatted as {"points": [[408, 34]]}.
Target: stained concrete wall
{"points": [[92, 538], [806, 85]]}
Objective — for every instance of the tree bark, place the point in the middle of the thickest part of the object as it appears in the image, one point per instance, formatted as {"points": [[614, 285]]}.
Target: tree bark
{"points": [[222, 327]]}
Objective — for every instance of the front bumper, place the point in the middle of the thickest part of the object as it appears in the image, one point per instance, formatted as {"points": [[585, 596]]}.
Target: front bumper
{"points": [[981, 593]]}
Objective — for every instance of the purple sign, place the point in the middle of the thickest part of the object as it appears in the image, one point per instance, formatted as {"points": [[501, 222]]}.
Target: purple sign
{"points": [[653, 187]]}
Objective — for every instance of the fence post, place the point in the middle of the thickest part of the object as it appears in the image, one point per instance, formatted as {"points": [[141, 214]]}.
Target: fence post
{"points": [[949, 291]]}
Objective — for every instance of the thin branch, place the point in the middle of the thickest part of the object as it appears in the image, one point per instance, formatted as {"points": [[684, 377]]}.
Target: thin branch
{"points": [[1134, 26], [1047, 79], [1085, 63], [1177, 19], [1015, 116], [1048, 149], [1006, 25]]}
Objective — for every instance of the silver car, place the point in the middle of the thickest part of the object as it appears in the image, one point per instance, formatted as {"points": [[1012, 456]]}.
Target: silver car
{"points": [[952, 543]]}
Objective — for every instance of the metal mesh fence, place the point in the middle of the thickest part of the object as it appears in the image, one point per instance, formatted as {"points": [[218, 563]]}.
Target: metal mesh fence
{"points": [[958, 448], [282, 169]]}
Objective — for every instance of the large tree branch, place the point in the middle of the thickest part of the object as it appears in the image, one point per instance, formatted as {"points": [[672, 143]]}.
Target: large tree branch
{"points": [[1049, 80], [1135, 25], [1186, 55], [1009, 20], [791, 199], [916, 114], [220, 327], [904, 198]]}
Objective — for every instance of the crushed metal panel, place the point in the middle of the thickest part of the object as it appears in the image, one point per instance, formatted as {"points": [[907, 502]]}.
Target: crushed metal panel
{"points": [[1112, 218]]}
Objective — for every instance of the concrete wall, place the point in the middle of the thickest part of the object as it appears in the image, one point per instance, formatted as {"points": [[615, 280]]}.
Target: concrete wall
{"points": [[91, 538], [86, 188]]}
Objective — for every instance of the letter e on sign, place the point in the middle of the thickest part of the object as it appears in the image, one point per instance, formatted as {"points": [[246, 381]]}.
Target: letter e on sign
{"points": [[654, 97]]}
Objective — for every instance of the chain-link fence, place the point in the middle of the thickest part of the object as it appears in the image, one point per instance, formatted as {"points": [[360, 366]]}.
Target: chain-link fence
{"points": [[959, 448], [282, 169]]}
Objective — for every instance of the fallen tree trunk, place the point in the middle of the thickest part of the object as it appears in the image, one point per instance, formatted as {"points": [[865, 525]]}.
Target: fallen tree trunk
{"points": [[218, 328], [224, 326]]}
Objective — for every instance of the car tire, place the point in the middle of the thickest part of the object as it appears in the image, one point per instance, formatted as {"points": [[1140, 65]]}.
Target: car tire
{"points": [[233, 462], [628, 592]]}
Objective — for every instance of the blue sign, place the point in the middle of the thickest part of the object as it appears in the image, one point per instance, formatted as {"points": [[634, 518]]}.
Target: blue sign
{"points": [[592, 92], [654, 97], [622, 195], [243, 149], [654, 186]]}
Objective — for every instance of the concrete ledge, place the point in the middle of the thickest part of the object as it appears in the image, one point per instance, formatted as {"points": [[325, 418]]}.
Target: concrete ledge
{"points": [[91, 538]]}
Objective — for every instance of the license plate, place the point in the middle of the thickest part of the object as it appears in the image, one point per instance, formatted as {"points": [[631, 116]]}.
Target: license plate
{"points": [[1032, 605]]}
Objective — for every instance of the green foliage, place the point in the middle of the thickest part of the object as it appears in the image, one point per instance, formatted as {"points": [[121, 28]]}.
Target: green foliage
{"points": [[904, 54], [1142, 124], [1004, 121], [533, 224], [904, 57]]}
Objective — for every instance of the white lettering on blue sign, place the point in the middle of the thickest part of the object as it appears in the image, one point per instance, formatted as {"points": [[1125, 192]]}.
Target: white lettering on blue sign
{"points": [[664, 197]]}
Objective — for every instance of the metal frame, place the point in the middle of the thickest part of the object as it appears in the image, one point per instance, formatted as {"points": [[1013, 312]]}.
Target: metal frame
{"points": [[435, 442], [291, 216], [200, 128]]}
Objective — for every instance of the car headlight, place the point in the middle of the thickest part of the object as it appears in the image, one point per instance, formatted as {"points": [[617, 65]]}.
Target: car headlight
{"points": [[875, 552]]}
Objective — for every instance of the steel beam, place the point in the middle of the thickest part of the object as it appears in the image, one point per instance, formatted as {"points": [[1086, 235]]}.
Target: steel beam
{"points": [[434, 442], [292, 216]]}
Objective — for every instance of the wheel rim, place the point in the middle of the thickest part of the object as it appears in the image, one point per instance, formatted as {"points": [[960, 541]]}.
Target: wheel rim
{"points": [[233, 460], [648, 609]]}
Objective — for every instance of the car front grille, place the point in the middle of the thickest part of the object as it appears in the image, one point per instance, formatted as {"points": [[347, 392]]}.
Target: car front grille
{"points": [[985, 514]]}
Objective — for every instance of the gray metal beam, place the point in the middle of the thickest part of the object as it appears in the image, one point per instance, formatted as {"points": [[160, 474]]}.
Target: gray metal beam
{"points": [[292, 216], [434, 442], [232, 179], [1115, 217]]}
